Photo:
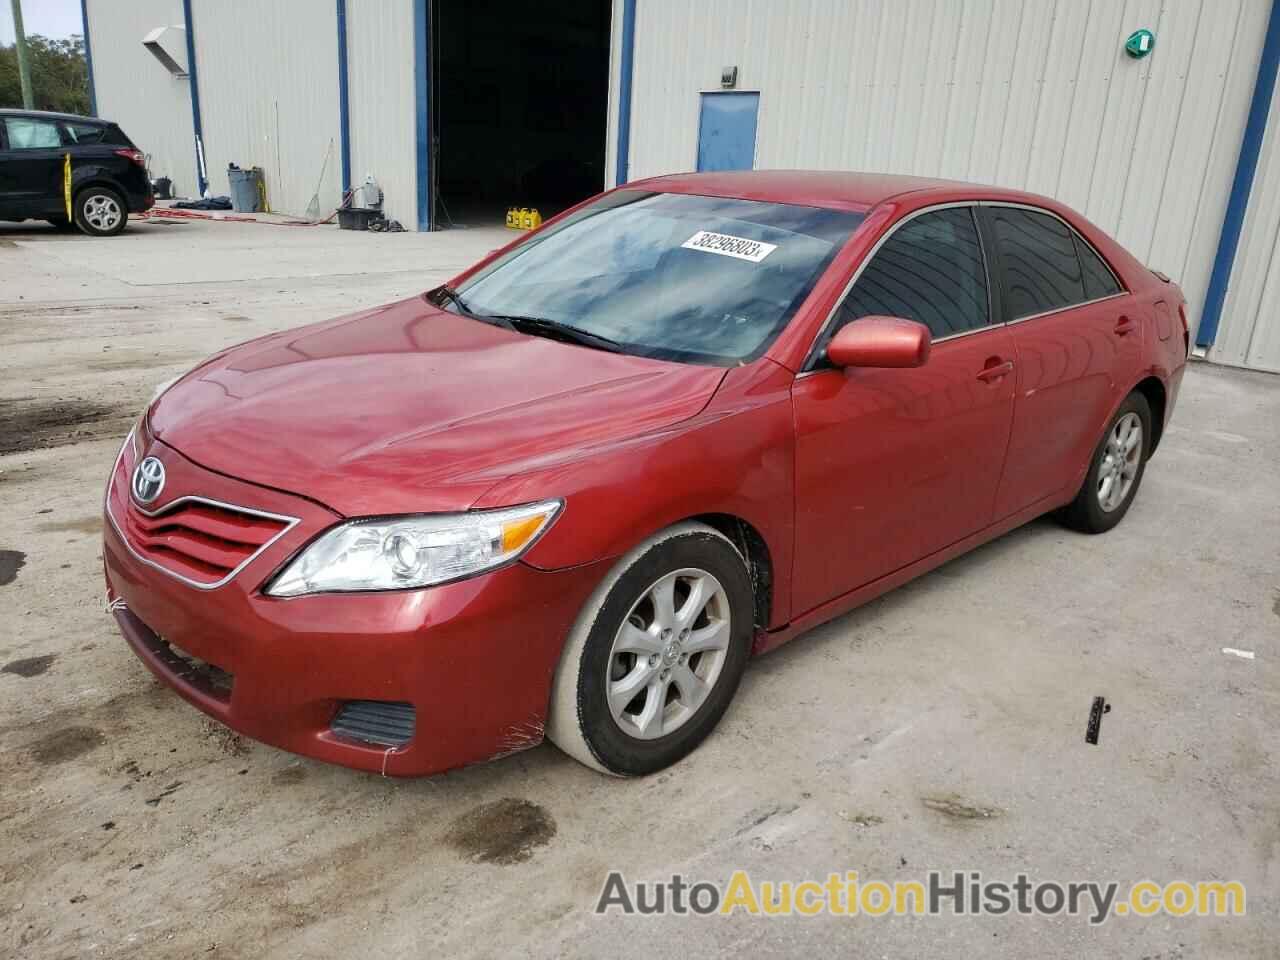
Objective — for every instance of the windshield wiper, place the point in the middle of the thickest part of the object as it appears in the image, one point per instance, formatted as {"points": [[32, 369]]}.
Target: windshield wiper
{"points": [[541, 326], [446, 294]]}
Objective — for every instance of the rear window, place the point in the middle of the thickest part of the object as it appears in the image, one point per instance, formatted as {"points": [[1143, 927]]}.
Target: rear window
{"points": [[84, 132]]}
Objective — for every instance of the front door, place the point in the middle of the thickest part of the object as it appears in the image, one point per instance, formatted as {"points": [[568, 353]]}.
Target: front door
{"points": [[727, 131], [31, 167], [891, 464]]}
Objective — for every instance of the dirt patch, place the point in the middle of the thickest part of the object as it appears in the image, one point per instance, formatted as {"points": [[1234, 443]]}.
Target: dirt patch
{"points": [[11, 561], [224, 738], [32, 425], [30, 666], [505, 831], [66, 744], [289, 775], [955, 807], [83, 525], [861, 819]]}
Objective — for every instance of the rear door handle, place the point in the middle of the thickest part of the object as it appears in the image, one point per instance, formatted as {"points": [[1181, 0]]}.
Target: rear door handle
{"points": [[1125, 325], [995, 369]]}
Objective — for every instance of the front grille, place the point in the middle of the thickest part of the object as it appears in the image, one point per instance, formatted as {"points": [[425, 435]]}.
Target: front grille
{"points": [[198, 540], [203, 542], [382, 722]]}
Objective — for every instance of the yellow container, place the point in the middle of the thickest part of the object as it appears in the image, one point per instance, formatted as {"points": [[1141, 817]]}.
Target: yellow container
{"points": [[535, 218], [511, 216]]}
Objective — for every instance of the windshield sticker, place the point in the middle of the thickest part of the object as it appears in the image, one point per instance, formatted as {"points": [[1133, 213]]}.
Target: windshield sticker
{"points": [[739, 248]]}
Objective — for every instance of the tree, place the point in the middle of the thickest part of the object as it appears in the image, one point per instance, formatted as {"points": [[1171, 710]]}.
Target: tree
{"points": [[59, 75]]}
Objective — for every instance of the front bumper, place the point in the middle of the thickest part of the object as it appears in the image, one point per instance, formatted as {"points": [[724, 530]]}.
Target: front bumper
{"points": [[475, 658]]}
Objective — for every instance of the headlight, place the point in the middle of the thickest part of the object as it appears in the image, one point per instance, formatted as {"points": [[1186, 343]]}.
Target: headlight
{"points": [[395, 553]]}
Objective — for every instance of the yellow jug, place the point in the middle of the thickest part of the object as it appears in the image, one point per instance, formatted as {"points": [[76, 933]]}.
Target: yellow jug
{"points": [[535, 218], [511, 217]]}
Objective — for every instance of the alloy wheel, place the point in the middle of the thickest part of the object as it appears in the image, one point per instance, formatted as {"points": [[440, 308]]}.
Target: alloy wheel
{"points": [[102, 212], [1121, 458], [668, 653]]}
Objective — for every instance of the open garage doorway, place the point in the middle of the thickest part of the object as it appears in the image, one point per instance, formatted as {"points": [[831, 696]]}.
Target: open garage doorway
{"points": [[519, 106]]}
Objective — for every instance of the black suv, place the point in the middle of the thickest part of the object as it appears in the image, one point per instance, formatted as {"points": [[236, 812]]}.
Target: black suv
{"points": [[108, 173]]}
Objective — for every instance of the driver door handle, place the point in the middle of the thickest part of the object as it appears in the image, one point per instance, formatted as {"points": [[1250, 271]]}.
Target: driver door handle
{"points": [[995, 369]]}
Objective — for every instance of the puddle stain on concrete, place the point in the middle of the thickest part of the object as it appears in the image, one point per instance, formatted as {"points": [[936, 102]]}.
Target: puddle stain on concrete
{"points": [[30, 666], [66, 744], [32, 425], [11, 561], [289, 776], [504, 831]]}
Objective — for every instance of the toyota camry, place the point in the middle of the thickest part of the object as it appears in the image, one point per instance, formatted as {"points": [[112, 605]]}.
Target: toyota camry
{"points": [[571, 492]]}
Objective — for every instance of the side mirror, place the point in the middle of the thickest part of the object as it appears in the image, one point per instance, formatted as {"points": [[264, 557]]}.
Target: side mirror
{"points": [[880, 342]]}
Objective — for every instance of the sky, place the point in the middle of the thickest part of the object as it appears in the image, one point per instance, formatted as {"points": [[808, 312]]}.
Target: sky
{"points": [[55, 19]]}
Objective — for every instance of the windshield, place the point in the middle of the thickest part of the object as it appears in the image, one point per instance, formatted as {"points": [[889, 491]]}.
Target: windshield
{"points": [[667, 275]]}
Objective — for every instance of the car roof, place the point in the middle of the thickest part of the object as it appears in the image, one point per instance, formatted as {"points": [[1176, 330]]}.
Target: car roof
{"points": [[819, 188], [49, 115]]}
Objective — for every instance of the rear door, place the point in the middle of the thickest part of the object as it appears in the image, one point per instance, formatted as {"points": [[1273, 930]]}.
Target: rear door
{"points": [[31, 173], [891, 464], [1079, 343]]}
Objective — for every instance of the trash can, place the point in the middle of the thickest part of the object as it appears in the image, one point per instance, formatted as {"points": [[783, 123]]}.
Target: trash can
{"points": [[245, 188]]}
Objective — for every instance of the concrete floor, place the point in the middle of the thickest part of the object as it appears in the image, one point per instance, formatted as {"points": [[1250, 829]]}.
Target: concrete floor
{"points": [[132, 826]]}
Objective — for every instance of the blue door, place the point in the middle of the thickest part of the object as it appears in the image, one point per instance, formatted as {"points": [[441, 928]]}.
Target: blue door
{"points": [[727, 131]]}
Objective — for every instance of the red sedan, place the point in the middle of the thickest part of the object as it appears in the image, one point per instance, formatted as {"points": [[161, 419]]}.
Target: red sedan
{"points": [[573, 491]]}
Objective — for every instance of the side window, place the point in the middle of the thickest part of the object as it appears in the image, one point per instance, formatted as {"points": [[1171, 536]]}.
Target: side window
{"points": [[27, 134], [930, 270], [1099, 281], [1041, 269], [84, 132]]}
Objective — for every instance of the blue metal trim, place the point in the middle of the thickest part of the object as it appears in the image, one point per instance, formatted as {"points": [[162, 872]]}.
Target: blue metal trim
{"points": [[422, 108], [625, 68], [344, 104], [88, 58], [1246, 166], [196, 128]]}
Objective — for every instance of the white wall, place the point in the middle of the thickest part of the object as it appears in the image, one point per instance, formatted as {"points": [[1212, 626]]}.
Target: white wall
{"points": [[1031, 94], [381, 86], [1249, 330], [268, 76], [133, 89]]}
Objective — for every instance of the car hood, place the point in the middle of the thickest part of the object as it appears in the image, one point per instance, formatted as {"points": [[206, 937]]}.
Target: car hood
{"points": [[408, 408]]}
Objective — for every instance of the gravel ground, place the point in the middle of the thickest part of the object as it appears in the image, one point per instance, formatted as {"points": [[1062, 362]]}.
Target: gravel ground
{"points": [[940, 727]]}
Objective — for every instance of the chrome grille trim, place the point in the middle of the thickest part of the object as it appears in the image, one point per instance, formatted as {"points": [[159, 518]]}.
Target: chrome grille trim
{"points": [[289, 524]]}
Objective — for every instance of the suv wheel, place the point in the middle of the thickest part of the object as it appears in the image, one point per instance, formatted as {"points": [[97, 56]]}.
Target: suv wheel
{"points": [[100, 211], [656, 654]]}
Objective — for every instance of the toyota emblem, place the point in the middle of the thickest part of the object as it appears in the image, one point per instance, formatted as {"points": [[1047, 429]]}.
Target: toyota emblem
{"points": [[148, 480]]}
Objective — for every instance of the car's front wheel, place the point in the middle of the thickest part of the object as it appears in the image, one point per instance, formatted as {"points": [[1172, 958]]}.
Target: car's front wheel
{"points": [[100, 211], [656, 654], [1116, 470]]}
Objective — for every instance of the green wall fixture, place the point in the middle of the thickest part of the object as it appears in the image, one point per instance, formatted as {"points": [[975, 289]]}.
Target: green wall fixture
{"points": [[1140, 43]]}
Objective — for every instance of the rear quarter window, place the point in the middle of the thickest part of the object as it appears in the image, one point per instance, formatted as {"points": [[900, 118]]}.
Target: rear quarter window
{"points": [[85, 133]]}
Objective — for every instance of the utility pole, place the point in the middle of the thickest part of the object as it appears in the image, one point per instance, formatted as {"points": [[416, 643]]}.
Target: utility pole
{"points": [[24, 67]]}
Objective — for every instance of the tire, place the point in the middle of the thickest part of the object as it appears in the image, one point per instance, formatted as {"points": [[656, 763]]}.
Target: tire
{"points": [[100, 211], [582, 721], [1096, 508]]}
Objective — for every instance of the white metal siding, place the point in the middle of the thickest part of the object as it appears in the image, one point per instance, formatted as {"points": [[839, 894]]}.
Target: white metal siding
{"points": [[380, 84], [269, 89], [1031, 94], [133, 89], [1249, 331]]}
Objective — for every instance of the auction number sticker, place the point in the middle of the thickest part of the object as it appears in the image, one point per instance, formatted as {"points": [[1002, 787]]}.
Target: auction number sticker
{"points": [[726, 245]]}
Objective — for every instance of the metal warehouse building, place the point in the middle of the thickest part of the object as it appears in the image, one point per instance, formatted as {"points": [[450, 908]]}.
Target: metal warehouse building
{"points": [[461, 108]]}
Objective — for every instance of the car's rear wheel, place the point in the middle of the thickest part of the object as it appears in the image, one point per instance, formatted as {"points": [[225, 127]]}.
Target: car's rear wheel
{"points": [[656, 654], [1116, 470], [100, 211]]}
